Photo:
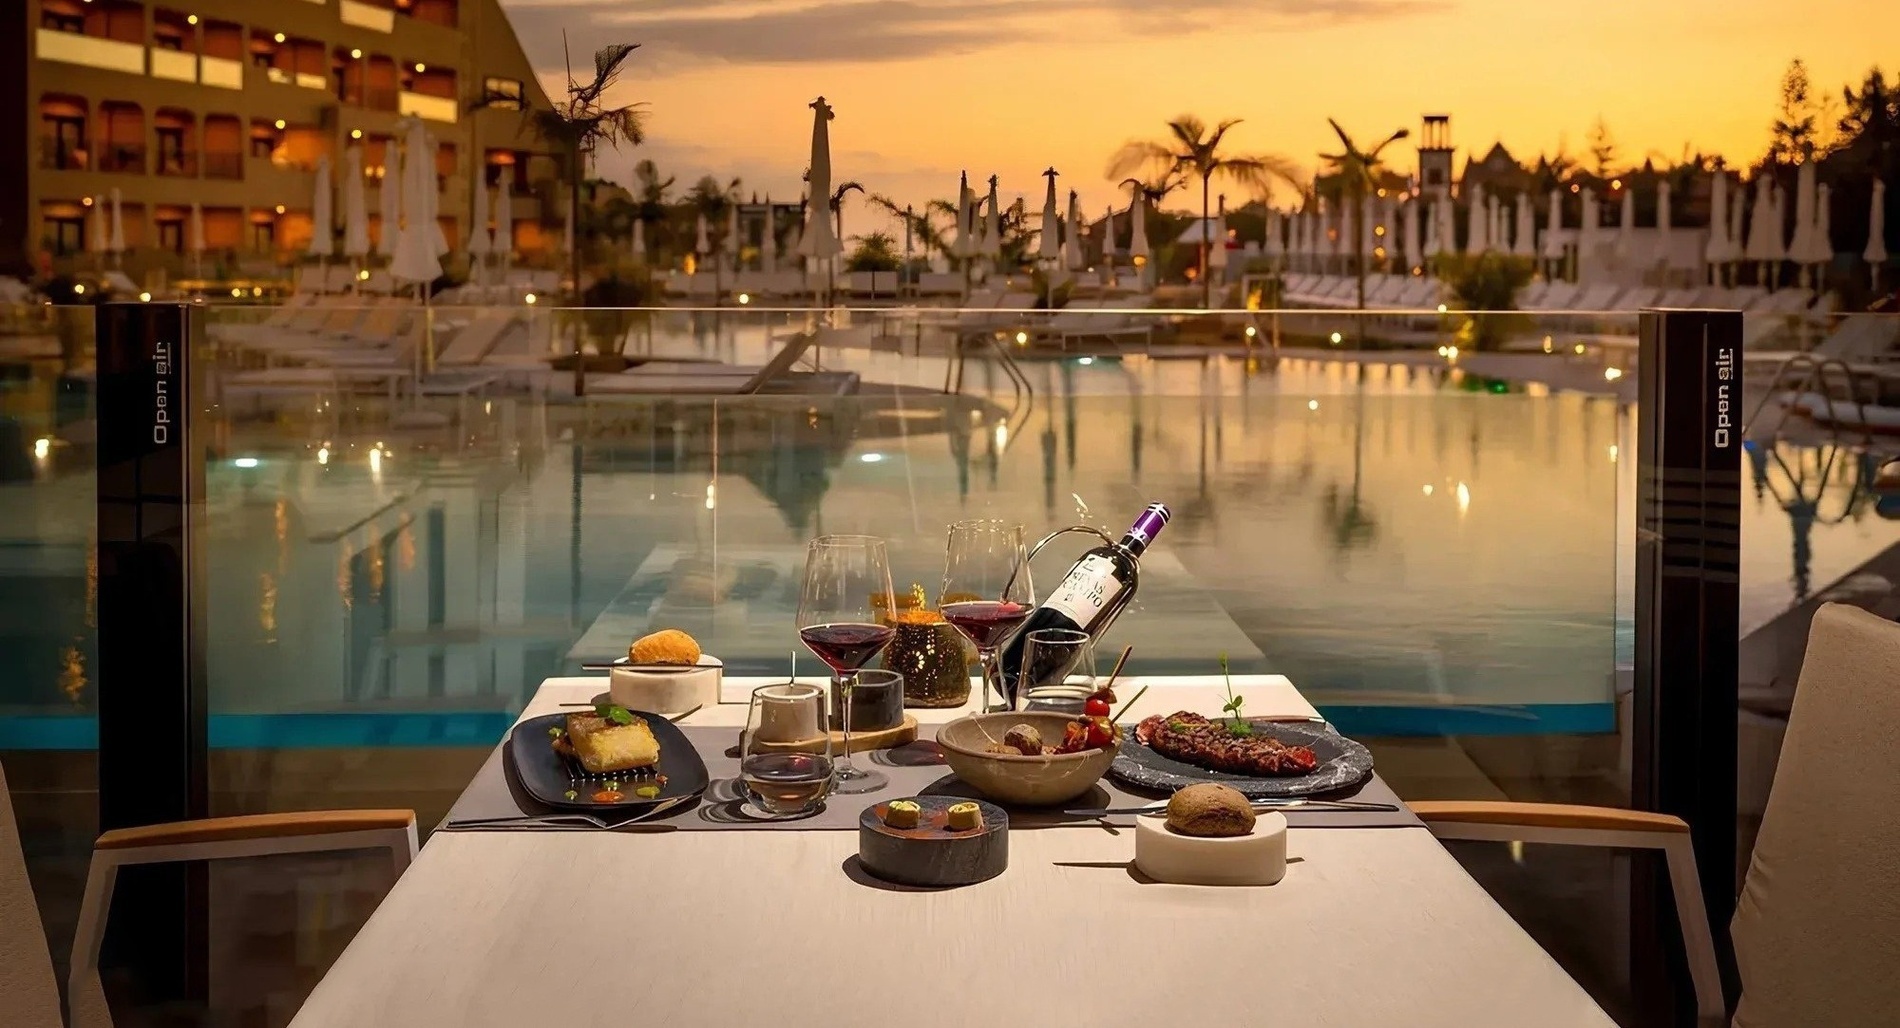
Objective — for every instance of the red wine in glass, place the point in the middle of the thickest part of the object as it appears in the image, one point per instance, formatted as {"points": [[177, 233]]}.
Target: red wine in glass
{"points": [[986, 622], [848, 646]]}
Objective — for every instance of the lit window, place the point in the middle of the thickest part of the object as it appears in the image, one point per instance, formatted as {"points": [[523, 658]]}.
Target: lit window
{"points": [[506, 94]]}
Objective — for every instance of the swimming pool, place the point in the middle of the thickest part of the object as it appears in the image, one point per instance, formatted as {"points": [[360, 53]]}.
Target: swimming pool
{"points": [[1423, 552]]}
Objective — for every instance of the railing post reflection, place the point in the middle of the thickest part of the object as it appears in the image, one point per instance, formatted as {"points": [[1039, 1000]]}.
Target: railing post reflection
{"points": [[152, 705], [1688, 564]]}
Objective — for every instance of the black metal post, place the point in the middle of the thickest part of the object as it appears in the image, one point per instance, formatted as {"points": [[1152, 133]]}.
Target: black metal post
{"points": [[1688, 562], [152, 726]]}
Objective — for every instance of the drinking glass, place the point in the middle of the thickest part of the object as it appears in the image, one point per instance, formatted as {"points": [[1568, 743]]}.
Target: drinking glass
{"points": [[785, 762], [847, 582], [1058, 655], [987, 591]]}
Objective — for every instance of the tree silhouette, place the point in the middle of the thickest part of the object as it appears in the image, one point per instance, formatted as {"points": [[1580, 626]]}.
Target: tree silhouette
{"points": [[1358, 170], [1193, 150], [576, 128]]}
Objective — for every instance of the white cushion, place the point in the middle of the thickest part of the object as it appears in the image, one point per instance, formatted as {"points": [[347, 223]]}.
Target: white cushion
{"points": [[1817, 929]]}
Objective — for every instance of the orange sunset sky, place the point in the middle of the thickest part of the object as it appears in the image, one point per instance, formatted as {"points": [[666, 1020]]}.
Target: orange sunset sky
{"points": [[927, 87]]}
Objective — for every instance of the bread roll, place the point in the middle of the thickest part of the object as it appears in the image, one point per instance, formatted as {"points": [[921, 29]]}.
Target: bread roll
{"points": [[670, 646]]}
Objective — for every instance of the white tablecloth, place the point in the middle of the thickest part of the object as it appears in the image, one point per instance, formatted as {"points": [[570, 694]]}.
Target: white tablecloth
{"points": [[575, 930]]}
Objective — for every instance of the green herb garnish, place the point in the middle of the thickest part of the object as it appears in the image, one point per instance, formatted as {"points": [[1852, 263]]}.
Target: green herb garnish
{"points": [[614, 712], [571, 794], [1238, 725]]}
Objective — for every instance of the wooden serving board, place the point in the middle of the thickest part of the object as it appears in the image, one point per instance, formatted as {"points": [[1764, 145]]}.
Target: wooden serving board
{"points": [[905, 732]]}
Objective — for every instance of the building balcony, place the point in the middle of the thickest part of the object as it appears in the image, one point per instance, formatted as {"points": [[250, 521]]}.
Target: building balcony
{"points": [[366, 16], [221, 72], [224, 165], [175, 65], [57, 157], [124, 158], [91, 51], [434, 108]]}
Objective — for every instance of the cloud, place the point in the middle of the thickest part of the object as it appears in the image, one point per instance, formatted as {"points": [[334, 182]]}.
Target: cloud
{"points": [[785, 31]]}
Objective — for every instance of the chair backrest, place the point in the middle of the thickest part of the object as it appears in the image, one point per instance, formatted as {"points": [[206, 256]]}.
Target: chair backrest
{"points": [[1817, 929], [28, 990]]}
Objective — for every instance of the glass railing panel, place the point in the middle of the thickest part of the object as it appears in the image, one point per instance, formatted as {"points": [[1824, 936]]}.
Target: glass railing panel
{"points": [[1424, 547], [1820, 509], [48, 599]]}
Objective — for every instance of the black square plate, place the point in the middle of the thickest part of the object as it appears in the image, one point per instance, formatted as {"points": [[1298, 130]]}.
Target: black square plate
{"points": [[548, 777]]}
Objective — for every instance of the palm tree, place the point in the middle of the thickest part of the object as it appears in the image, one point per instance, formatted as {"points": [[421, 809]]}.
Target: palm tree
{"points": [[837, 203], [1194, 151], [923, 228], [576, 128], [649, 196], [1357, 170]]}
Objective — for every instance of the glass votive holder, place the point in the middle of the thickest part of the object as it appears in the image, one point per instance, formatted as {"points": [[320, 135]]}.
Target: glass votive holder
{"points": [[877, 702]]}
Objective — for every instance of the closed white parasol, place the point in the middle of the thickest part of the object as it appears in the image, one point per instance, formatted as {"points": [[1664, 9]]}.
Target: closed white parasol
{"points": [[820, 238], [322, 213]]}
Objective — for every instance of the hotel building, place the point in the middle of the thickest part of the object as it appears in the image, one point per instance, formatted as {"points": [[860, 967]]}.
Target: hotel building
{"points": [[230, 103]]}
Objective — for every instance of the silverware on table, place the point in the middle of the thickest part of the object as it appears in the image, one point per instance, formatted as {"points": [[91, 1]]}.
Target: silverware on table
{"points": [[569, 820], [1311, 805]]}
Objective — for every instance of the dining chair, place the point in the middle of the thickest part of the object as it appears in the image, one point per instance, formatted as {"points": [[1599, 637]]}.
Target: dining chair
{"points": [[1817, 927], [26, 970]]}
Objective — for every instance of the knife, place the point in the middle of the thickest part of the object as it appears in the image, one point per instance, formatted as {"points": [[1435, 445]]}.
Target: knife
{"points": [[573, 820], [1316, 806]]}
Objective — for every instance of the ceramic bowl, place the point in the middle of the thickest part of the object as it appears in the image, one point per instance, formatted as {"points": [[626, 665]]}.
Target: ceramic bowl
{"points": [[1014, 778], [668, 691]]}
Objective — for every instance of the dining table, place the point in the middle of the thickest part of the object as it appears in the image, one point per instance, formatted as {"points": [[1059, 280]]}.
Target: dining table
{"points": [[604, 929]]}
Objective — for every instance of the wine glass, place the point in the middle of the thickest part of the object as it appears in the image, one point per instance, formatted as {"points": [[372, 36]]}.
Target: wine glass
{"points": [[987, 591], [785, 765], [847, 581]]}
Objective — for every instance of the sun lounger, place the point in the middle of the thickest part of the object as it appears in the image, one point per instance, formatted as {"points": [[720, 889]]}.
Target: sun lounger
{"points": [[347, 322], [665, 377], [939, 283], [1559, 296], [1783, 301], [1601, 297], [1385, 291], [1638, 298], [1419, 292], [472, 343]]}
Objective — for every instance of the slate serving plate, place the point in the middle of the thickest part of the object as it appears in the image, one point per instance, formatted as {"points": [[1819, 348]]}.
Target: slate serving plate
{"points": [[1343, 764], [547, 777]]}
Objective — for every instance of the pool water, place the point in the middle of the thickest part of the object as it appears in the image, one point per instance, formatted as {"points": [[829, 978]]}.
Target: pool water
{"points": [[1419, 552]]}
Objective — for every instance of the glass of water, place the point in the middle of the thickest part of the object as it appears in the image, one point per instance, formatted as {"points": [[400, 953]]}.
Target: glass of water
{"points": [[1059, 655], [785, 755]]}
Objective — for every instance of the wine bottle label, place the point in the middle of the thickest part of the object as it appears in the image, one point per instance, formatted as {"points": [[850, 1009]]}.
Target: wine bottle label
{"points": [[1091, 586]]}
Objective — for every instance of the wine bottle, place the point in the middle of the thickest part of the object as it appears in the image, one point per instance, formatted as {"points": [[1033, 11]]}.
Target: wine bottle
{"points": [[1091, 596]]}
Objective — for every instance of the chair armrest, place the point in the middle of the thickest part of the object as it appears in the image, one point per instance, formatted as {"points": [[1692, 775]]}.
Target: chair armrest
{"points": [[1544, 815], [255, 826]]}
